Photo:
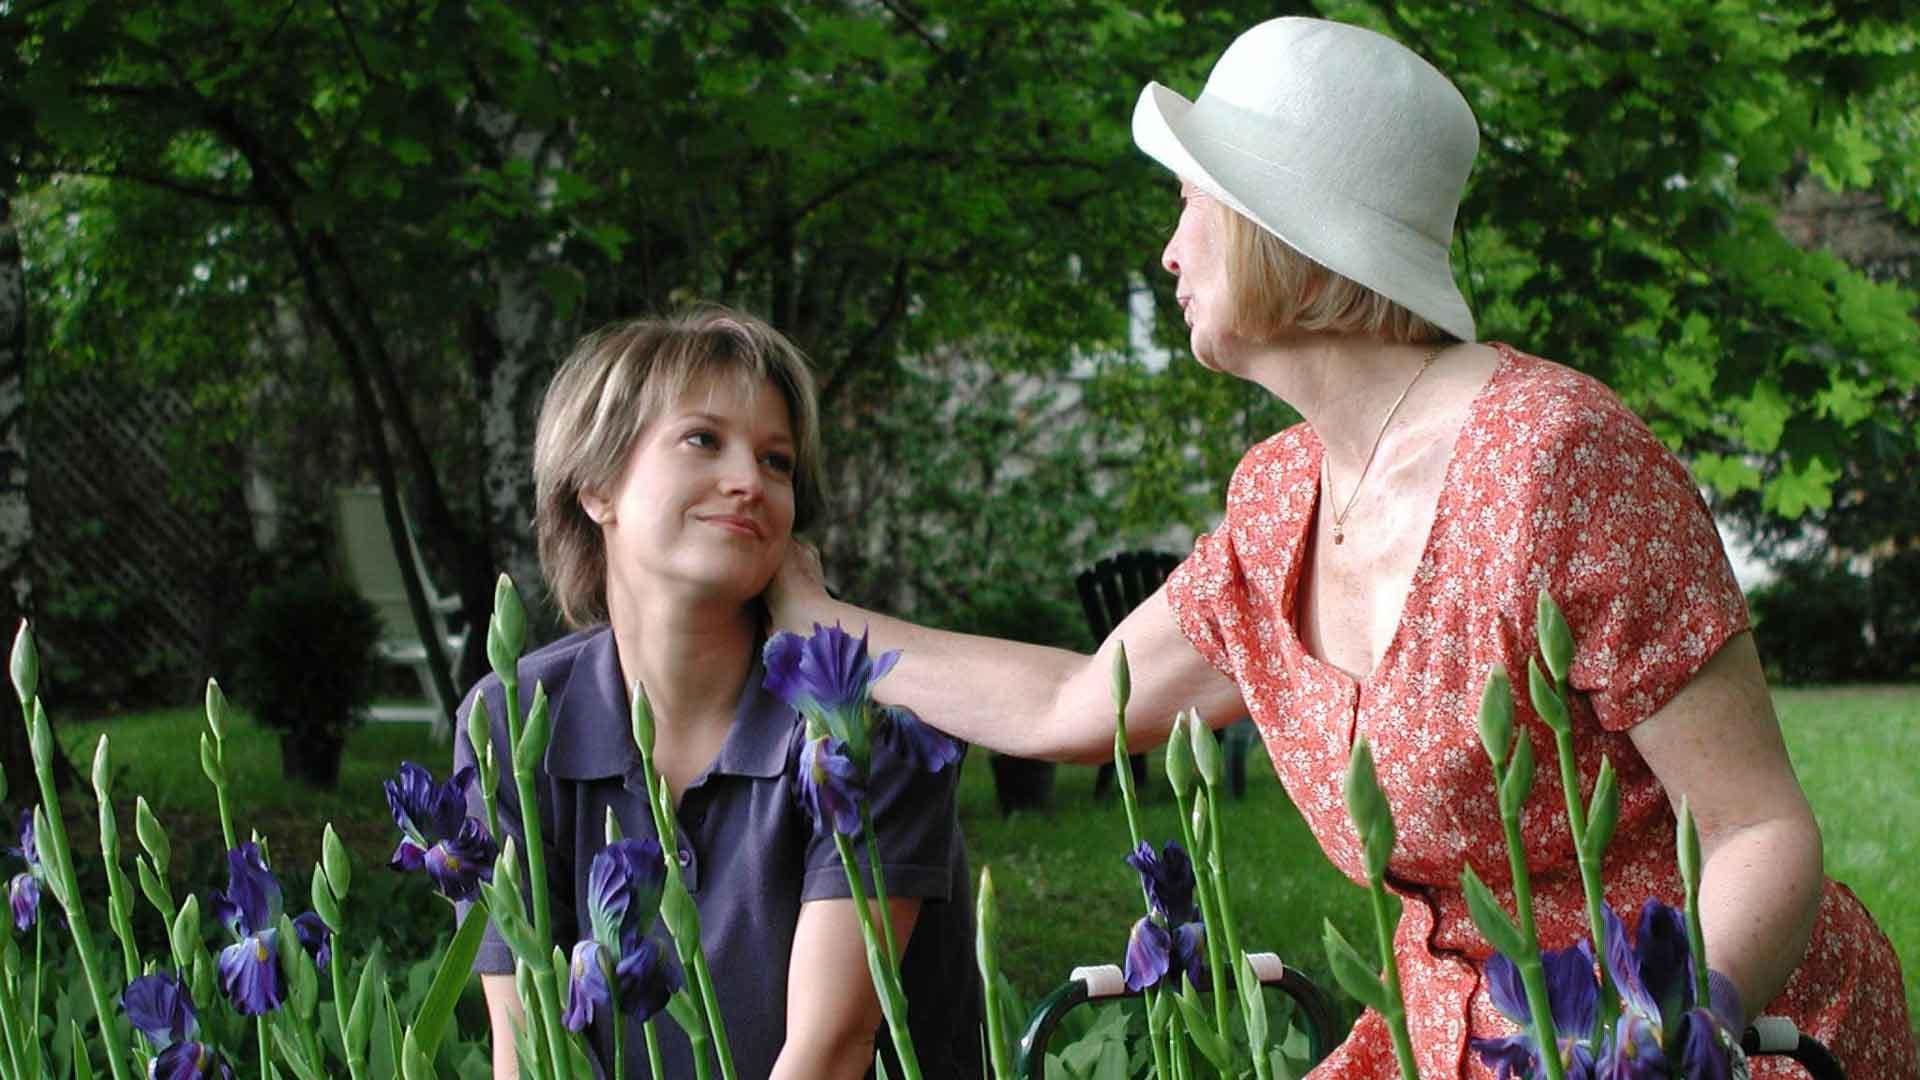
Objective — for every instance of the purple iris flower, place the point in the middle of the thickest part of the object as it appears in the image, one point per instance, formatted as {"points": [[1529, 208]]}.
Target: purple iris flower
{"points": [[315, 936], [1190, 954], [438, 834], [828, 677], [1168, 880], [159, 1006], [831, 787], [190, 1061], [623, 889], [1698, 1048], [23, 895], [925, 748], [1633, 1053], [28, 849], [249, 968], [643, 977], [23, 891], [1573, 996], [1149, 955], [1656, 981]]}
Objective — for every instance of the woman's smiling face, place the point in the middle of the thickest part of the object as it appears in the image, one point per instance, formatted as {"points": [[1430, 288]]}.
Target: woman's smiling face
{"points": [[706, 502]]}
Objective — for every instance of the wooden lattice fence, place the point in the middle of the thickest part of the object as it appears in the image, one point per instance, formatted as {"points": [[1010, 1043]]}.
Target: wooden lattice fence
{"points": [[130, 583]]}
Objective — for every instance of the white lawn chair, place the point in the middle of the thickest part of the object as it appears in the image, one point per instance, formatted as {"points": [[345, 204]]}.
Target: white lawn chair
{"points": [[367, 551]]}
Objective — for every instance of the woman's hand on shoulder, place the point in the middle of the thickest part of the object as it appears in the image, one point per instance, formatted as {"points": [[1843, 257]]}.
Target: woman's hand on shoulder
{"points": [[797, 597]]}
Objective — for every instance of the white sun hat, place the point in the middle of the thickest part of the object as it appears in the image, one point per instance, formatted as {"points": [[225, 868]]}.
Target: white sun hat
{"points": [[1339, 141]]}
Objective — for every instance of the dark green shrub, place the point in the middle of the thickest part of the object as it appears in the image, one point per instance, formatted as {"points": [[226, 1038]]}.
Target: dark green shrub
{"points": [[306, 666], [1810, 623], [1894, 590]]}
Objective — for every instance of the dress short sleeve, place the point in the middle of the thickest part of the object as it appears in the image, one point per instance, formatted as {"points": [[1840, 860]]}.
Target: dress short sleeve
{"points": [[1634, 560], [1237, 570], [916, 820]]}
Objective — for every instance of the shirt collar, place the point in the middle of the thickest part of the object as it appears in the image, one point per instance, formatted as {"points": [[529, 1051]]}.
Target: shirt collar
{"points": [[593, 730]]}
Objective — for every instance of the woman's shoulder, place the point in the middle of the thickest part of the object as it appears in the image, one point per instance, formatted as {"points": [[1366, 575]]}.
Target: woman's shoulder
{"points": [[1275, 462], [1550, 419], [551, 665]]}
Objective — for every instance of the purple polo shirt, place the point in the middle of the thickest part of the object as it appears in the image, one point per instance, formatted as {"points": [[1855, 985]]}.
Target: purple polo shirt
{"points": [[747, 852]]}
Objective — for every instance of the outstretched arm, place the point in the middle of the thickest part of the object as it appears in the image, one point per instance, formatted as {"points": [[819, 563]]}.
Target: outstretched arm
{"points": [[1029, 700], [1718, 744]]}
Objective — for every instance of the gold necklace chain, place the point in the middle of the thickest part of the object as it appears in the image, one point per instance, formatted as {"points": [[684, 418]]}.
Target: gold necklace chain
{"points": [[1326, 469]]}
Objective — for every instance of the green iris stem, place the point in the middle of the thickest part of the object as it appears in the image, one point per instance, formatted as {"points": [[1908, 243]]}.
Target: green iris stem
{"points": [[1157, 1032], [1123, 775], [667, 831], [1210, 917], [1702, 989], [537, 884], [879, 887], [702, 1047], [266, 1058], [654, 1067], [1217, 862], [1532, 976], [1390, 965], [220, 794], [76, 909], [1177, 1044], [118, 910], [619, 1038], [887, 980], [39, 966], [1590, 879], [336, 968]]}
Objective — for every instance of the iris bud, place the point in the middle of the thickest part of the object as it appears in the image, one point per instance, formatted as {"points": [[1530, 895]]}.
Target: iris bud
{"points": [[642, 720], [1518, 783], [185, 932], [216, 709], [413, 1061], [25, 664], [502, 659], [509, 614], [1368, 806], [152, 885], [41, 739], [210, 762], [324, 903], [614, 834], [1179, 758], [1206, 750], [1122, 680], [1546, 700], [1200, 836], [1604, 812], [103, 771], [1687, 845], [1496, 717], [153, 838], [479, 725], [1556, 637], [334, 859], [539, 730], [987, 919]]}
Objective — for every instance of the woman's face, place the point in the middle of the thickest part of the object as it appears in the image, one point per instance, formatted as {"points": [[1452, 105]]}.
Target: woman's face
{"points": [[1196, 256], [705, 505]]}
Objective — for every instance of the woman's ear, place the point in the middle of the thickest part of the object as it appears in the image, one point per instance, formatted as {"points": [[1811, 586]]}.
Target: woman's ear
{"points": [[598, 507]]}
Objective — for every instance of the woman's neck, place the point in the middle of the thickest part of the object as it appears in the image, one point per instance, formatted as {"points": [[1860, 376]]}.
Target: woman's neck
{"points": [[692, 658]]}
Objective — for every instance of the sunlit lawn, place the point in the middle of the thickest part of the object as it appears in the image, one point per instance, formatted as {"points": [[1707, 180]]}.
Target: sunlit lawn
{"points": [[1066, 897]]}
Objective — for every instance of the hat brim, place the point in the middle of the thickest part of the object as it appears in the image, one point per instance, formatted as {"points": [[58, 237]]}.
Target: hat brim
{"points": [[1412, 271]]}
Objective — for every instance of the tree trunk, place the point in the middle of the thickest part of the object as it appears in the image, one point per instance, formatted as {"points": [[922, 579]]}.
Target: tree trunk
{"points": [[16, 520]]}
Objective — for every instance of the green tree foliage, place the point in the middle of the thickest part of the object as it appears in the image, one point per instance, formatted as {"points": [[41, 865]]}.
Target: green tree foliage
{"points": [[430, 199]]}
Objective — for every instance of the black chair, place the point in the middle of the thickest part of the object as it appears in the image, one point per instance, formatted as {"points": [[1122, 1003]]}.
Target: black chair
{"points": [[1109, 590]]}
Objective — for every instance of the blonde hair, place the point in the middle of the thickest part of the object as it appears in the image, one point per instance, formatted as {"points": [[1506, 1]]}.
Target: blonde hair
{"points": [[1273, 288], [615, 381]]}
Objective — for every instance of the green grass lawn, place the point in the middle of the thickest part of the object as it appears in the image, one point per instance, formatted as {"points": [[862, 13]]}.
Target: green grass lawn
{"points": [[1066, 897]]}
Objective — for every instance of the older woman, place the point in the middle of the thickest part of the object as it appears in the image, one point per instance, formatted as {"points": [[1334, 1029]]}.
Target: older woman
{"points": [[673, 459], [1378, 559]]}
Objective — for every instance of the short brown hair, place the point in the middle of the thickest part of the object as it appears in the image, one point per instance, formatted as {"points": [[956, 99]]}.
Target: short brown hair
{"points": [[1272, 288], [614, 382]]}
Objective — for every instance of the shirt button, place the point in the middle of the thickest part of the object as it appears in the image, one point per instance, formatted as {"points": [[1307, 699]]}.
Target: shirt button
{"points": [[686, 857]]}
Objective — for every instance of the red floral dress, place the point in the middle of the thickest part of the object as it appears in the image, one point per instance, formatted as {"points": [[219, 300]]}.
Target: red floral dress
{"points": [[1553, 484]]}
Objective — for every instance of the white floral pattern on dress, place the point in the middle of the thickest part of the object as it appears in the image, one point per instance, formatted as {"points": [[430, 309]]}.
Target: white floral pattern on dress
{"points": [[1553, 484]]}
